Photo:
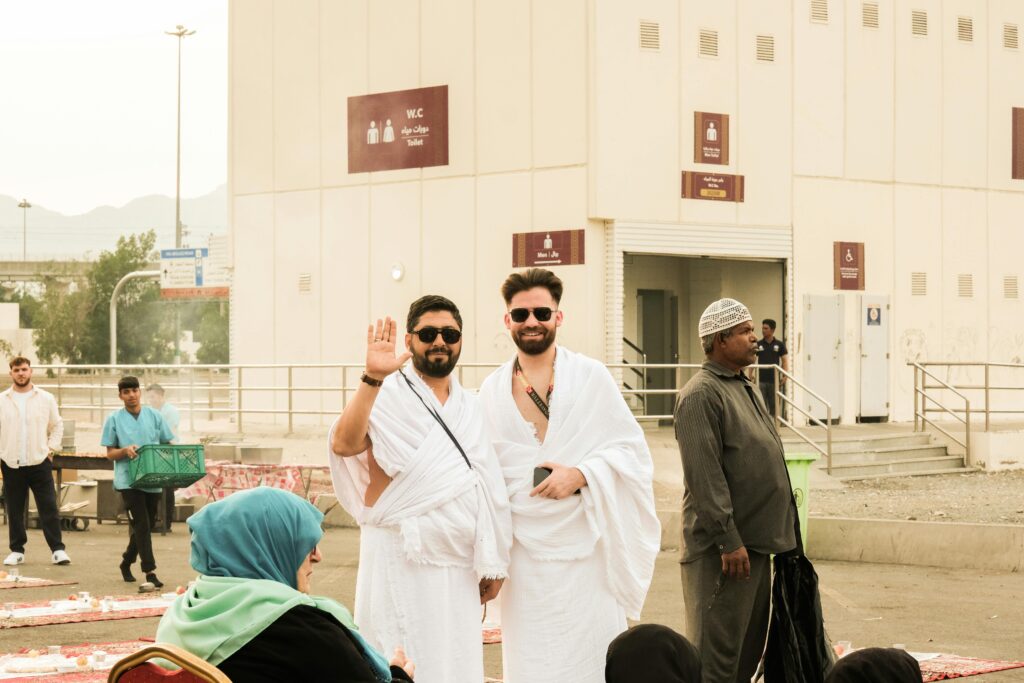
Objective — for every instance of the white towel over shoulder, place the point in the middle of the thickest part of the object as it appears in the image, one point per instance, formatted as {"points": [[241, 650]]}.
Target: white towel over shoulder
{"points": [[447, 514], [591, 428]]}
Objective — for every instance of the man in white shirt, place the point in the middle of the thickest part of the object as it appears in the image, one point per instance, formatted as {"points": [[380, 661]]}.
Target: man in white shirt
{"points": [[30, 430], [579, 477]]}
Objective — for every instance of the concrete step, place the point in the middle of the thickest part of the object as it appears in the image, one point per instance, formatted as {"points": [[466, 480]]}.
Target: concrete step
{"points": [[860, 444], [899, 468], [921, 473], [887, 455]]}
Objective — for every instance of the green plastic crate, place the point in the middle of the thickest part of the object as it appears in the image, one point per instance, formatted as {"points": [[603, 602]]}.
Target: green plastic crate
{"points": [[167, 465]]}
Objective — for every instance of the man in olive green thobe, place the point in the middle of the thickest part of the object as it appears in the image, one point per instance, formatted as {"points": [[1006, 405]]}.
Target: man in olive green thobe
{"points": [[738, 505]]}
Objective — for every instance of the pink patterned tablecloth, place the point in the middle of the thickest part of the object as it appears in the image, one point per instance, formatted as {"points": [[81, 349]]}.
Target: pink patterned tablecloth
{"points": [[224, 478]]}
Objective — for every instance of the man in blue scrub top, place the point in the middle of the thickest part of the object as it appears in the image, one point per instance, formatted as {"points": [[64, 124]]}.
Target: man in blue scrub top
{"points": [[158, 399], [124, 432]]}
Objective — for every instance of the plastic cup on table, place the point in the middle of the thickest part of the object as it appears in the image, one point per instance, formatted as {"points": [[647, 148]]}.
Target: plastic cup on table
{"points": [[99, 656], [53, 649], [843, 647]]}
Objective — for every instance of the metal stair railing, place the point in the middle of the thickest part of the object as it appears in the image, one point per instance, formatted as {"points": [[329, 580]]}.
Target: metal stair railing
{"points": [[921, 407], [781, 398], [641, 375]]}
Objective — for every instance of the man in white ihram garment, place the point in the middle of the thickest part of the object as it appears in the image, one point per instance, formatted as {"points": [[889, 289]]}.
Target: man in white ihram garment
{"points": [[412, 463], [579, 476]]}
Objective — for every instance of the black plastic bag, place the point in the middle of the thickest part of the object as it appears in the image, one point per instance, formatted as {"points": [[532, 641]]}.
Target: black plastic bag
{"points": [[798, 650]]}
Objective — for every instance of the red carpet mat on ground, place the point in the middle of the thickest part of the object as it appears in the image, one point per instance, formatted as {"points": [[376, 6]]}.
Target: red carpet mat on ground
{"points": [[40, 613], [492, 635], [115, 651], [31, 582], [944, 667]]}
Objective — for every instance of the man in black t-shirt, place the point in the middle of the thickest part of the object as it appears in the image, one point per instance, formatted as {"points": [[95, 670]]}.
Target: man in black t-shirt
{"points": [[770, 351]]}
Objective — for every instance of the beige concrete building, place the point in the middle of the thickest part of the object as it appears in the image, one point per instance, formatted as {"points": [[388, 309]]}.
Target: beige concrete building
{"points": [[884, 124]]}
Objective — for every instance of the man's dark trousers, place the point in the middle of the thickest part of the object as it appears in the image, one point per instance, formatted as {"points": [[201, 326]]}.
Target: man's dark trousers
{"points": [[141, 507], [17, 482], [727, 619]]}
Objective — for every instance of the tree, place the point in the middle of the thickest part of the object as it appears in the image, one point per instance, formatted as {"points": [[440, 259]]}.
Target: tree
{"points": [[208, 321], [28, 305], [73, 322]]}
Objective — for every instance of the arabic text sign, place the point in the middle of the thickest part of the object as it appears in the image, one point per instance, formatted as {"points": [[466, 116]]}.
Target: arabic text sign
{"points": [[191, 273], [401, 129], [721, 187], [548, 248]]}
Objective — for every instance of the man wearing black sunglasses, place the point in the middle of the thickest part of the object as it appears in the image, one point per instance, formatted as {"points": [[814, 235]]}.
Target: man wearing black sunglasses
{"points": [[579, 474], [419, 474]]}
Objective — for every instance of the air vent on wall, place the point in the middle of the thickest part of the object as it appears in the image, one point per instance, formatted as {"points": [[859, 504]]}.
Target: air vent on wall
{"points": [[1011, 37], [965, 29], [819, 11], [918, 284], [1010, 288], [869, 15], [766, 48], [305, 283], [708, 45], [919, 22], [965, 285], [650, 35]]}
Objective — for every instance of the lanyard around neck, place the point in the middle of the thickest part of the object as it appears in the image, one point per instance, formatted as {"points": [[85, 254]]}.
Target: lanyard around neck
{"points": [[542, 404]]}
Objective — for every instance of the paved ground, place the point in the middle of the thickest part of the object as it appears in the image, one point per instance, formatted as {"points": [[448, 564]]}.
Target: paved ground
{"points": [[971, 613], [965, 612]]}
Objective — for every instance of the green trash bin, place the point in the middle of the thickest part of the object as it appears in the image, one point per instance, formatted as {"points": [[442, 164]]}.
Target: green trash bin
{"points": [[799, 466]]}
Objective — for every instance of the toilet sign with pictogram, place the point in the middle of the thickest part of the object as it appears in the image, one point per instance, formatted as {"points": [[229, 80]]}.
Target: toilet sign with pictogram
{"points": [[400, 129], [848, 265]]}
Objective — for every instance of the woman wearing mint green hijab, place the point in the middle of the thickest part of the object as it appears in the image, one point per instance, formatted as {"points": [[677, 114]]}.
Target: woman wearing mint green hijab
{"points": [[250, 614]]}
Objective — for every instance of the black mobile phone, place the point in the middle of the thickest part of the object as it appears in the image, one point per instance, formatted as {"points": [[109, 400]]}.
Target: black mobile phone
{"points": [[540, 474]]}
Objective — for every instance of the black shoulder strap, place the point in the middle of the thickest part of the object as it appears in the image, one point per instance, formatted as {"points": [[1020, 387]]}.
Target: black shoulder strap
{"points": [[439, 420]]}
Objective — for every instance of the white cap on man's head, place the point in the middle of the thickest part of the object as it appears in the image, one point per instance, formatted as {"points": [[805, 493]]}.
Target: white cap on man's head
{"points": [[722, 315]]}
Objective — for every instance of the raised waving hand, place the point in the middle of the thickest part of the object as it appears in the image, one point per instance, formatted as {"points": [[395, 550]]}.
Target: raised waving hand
{"points": [[380, 349]]}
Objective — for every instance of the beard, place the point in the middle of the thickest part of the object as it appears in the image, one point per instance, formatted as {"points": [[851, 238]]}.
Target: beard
{"points": [[435, 365], [534, 346], [22, 382]]}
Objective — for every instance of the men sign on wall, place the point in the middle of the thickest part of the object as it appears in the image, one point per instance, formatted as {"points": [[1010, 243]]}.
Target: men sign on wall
{"points": [[401, 129], [548, 248], [710, 138]]}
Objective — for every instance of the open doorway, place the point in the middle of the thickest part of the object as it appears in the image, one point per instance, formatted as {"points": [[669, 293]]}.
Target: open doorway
{"points": [[664, 297]]}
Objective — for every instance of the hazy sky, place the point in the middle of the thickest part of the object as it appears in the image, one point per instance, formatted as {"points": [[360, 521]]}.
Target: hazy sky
{"points": [[88, 106]]}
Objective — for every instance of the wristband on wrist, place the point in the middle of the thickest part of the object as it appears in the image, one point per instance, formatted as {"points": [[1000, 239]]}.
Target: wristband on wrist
{"points": [[371, 381]]}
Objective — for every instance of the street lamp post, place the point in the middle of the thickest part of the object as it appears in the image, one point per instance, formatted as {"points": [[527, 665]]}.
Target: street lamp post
{"points": [[24, 206], [180, 32]]}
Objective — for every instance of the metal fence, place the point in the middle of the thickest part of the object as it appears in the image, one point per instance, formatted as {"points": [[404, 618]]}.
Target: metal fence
{"points": [[964, 391], [313, 393]]}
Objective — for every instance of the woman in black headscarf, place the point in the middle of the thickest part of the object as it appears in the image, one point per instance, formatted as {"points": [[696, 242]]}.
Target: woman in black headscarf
{"points": [[876, 665], [650, 652]]}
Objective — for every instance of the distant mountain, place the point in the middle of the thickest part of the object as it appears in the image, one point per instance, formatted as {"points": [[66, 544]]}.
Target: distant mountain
{"points": [[54, 235]]}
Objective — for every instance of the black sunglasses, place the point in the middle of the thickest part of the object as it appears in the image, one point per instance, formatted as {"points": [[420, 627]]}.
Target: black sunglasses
{"points": [[450, 335], [542, 314]]}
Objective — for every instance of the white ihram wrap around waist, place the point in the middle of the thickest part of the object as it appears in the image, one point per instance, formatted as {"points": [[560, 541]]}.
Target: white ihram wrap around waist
{"points": [[447, 514], [591, 428]]}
